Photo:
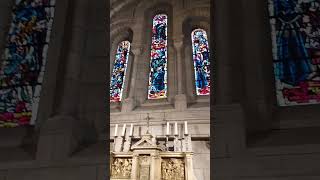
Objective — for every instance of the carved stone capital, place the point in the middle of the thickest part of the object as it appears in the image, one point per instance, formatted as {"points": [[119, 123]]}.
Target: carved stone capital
{"points": [[178, 44], [137, 49], [128, 105]]}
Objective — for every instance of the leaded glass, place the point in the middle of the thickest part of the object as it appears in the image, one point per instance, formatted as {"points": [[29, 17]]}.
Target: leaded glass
{"points": [[201, 63], [24, 60], [295, 28], [119, 71], [158, 64]]}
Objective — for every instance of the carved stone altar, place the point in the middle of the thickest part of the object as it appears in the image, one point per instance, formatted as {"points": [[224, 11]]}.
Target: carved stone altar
{"points": [[147, 161]]}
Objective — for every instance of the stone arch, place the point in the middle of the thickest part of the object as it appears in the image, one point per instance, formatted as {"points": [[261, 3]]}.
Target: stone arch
{"points": [[121, 34], [119, 6], [153, 6], [196, 18]]}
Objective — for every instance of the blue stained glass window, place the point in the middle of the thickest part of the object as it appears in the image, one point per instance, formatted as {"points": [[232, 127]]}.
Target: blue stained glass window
{"points": [[296, 50], [158, 63], [119, 71], [200, 49], [23, 66]]}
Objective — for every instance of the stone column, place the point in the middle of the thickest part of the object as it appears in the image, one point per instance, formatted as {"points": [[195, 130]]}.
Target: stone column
{"points": [[189, 68], [189, 167], [61, 134], [70, 78], [228, 112], [222, 51], [129, 103], [180, 99], [155, 169], [135, 167], [257, 65]]}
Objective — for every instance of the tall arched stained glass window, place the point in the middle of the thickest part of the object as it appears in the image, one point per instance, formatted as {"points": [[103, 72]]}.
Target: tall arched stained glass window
{"points": [[200, 49], [158, 63], [295, 36], [25, 57], [119, 71]]}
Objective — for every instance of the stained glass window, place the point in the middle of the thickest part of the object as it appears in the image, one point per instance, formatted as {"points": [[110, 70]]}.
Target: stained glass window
{"points": [[119, 71], [24, 61], [296, 50], [201, 63], [158, 63]]}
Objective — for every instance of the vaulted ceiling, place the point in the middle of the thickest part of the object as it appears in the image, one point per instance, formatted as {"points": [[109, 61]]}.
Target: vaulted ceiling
{"points": [[116, 5]]}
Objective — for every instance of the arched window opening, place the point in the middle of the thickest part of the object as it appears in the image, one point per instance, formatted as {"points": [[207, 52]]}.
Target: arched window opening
{"points": [[25, 57], [119, 71], [200, 49], [158, 64]]}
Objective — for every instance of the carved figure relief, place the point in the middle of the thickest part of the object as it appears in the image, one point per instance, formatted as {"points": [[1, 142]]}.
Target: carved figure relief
{"points": [[121, 168], [172, 169]]}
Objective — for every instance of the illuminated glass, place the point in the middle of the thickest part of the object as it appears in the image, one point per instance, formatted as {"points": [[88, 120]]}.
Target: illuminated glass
{"points": [[200, 49], [119, 71], [296, 50], [23, 66], [158, 63]]}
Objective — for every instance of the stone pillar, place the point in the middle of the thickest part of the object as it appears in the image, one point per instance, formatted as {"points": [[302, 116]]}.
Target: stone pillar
{"points": [[258, 61], [58, 138], [228, 112], [155, 171], [129, 103], [222, 51], [180, 99], [70, 81], [189, 68], [189, 167], [135, 167], [61, 134]]}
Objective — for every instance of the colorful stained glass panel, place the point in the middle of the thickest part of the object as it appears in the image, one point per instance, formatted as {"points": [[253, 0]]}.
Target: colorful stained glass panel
{"points": [[119, 71], [201, 62], [295, 28], [23, 66], [158, 64]]}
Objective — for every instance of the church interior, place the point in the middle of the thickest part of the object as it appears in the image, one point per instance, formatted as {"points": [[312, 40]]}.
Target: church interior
{"points": [[159, 89]]}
